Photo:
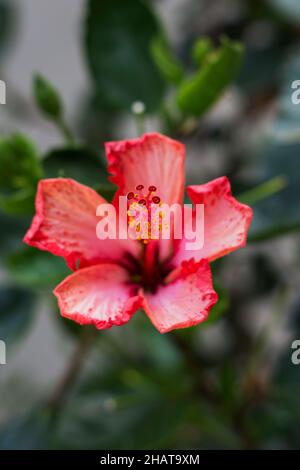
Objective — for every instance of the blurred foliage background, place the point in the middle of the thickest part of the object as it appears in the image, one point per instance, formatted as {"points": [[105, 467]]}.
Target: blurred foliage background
{"points": [[217, 76]]}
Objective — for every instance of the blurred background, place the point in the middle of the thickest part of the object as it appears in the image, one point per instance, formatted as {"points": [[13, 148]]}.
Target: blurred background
{"points": [[217, 76]]}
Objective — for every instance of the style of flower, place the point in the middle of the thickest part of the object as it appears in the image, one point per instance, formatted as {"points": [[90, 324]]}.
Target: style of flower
{"points": [[112, 279]]}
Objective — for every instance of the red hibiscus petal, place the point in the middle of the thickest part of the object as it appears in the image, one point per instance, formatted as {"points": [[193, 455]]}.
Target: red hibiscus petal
{"points": [[65, 224], [99, 295], [226, 222], [185, 302], [152, 159]]}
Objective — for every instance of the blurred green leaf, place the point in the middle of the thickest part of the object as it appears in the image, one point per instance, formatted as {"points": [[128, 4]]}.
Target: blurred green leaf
{"points": [[69, 326], [80, 163], [34, 268], [110, 410], [117, 40], [47, 97], [201, 49], [279, 155], [16, 312], [106, 190], [197, 94], [277, 420], [280, 213], [158, 348], [18, 203], [169, 66], [260, 71], [30, 431], [12, 231], [288, 8], [20, 170], [220, 308], [287, 373], [19, 162], [286, 127], [133, 410], [95, 124], [50, 104], [5, 22], [115, 421]]}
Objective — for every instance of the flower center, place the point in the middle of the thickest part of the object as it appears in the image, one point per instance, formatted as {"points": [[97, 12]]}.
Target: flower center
{"points": [[145, 218], [140, 207], [146, 223], [148, 271]]}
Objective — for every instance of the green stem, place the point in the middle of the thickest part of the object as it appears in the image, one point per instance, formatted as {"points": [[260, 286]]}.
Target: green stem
{"points": [[140, 123], [274, 232], [65, 131], [263, 191]]}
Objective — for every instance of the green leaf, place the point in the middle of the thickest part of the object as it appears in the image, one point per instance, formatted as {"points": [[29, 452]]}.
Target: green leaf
{"points": [[18, 203], [16, 313], [118, 37], [80, 163], [20, 170], [169, 66], [19, 162], [197, 94], [202, 48], [106, 190], [50, 104], [47, 98], [33, 268]]}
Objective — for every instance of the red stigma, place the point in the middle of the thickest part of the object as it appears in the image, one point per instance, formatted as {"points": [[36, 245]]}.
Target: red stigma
{"points": [[152, 189], [142, 202], [139, 187], [156, 200], [130, 195]]}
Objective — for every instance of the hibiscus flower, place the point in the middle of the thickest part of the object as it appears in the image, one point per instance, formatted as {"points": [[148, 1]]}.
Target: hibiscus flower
{"points": [[112, 279]]}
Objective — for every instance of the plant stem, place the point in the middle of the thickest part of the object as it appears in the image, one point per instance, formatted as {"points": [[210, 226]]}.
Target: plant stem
{"points": [[69, 377]]}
